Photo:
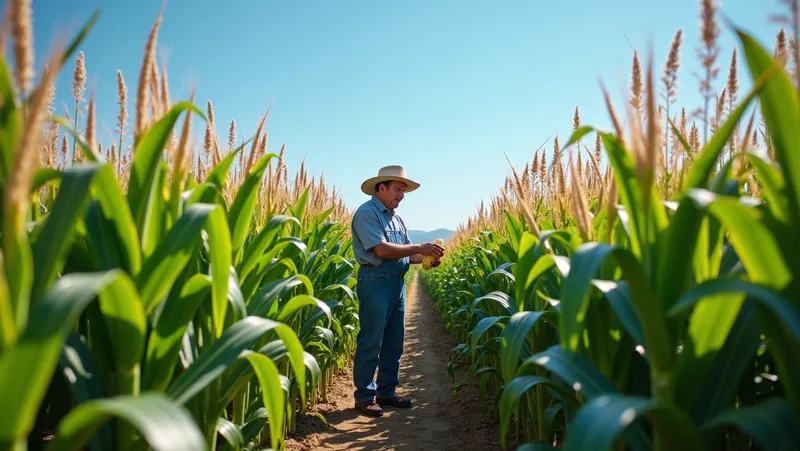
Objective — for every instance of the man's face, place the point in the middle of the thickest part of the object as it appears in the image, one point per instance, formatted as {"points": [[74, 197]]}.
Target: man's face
{"points": [[393, 194]]}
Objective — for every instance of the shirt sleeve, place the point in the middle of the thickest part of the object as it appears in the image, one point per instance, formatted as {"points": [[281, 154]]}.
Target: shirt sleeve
{"points": [[368, 229]]}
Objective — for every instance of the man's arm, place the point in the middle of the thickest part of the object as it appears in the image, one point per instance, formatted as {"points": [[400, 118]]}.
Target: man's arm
{"points": [[368, 229], [393, 251]]}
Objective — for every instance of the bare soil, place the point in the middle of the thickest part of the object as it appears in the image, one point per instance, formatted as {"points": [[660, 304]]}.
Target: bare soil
{"points": [[437, 420]]}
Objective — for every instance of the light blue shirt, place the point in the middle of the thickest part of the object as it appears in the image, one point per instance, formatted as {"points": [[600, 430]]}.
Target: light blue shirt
{"points": [[373, 223]]}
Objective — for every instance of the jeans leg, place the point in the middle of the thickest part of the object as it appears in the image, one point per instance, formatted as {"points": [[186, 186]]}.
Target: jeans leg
{"points": [[374, 299], [392, 347]]}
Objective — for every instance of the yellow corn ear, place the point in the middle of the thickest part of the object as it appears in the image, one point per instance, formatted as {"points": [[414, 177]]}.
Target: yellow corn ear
{"points": [[427, 261]]}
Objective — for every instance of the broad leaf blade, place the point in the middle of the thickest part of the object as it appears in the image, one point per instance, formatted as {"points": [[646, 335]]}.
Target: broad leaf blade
{"points": [[163, 424], [602, 420]]}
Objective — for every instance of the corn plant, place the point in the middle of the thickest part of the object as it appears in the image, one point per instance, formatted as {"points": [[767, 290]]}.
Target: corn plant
{"points": [[652, 322], [210, 318]]}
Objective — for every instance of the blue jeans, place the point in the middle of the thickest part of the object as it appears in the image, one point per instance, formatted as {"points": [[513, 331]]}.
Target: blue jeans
{"points": [[379, 344]]}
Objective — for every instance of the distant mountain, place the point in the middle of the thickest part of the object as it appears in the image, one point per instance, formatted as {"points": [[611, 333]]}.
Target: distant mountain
{"points": [[420, 236]]}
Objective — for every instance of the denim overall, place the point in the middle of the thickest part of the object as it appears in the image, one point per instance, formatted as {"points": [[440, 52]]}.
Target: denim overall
{"points": [[381, 293]]}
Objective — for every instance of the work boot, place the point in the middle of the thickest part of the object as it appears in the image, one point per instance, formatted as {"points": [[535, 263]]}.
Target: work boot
{"points": [[369, 408], [394, 401]]}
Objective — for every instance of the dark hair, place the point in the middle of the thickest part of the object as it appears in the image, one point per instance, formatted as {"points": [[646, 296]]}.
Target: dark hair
{"points": [[386, 183]]}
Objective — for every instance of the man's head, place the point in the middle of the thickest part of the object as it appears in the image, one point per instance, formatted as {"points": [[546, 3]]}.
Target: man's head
{"points": [[389, 186], [391, 192]]}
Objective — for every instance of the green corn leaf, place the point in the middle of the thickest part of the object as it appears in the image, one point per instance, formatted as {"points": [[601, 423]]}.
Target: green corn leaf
{"points": [[78, 369], [146, 170], [205, 193], [170, 322], [231, 433], [783, 310], [514, 229], [762, 256], [299, 207], [779, 105], [263, 303], [772, 184], [215, 359], [43, 176], [720, 384], [124, 317], [506, 304], [298, 302], [52, 244], [481, 328], [168, 260], [235, 297], [254, 426], [219, 174], [272, 394], [240, 216], [602, 420], [263, 265], [514, 337], [348, 292], [771, 423], [163, 424], [585, 264], [8, 329], [629, 193], [19, 269], [74, 45], [579, 373], [708, 158], [675, 266], [715, 302], [239, 375], [755, 245], [160, 216], [10, 123], [27, 367], [574, 369], [526, 259], [513, 391], [621, 301]]}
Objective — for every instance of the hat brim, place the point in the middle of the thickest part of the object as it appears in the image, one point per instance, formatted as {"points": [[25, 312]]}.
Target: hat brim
{"points": [[368, 187]]}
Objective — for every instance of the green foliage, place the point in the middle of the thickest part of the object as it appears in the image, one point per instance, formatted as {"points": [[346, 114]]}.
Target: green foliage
{"points": [[682, 332], [164, 317]]}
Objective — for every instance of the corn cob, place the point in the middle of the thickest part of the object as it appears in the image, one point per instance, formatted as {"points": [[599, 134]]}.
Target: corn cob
{"points": [[427, 261]]}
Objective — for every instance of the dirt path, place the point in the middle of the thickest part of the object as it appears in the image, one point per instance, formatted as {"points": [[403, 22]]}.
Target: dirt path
{"points": [[437, 421]]}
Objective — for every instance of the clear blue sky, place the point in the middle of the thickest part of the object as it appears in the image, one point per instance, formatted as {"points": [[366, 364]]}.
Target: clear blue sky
{"points": [[442, 87]]}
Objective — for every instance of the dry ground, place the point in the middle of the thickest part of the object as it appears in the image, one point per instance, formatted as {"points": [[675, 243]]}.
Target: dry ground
{"points": [[437, 421]]}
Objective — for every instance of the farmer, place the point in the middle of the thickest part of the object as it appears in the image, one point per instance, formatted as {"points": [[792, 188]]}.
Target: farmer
{"points": [[384, 253]]}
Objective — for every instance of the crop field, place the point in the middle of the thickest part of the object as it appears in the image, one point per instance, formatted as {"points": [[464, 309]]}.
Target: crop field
{"points": [[637, 290], [652, 301]]}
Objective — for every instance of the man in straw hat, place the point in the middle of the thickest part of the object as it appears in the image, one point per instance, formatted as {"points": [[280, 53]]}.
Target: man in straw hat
{"points": [[384, 253]]}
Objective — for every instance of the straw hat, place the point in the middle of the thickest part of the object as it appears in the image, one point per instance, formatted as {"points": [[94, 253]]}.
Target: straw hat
{"points": [[394, 172]]}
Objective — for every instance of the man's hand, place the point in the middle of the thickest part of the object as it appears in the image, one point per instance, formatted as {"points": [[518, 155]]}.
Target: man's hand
{"points": [[432, 249], [436, 263]]}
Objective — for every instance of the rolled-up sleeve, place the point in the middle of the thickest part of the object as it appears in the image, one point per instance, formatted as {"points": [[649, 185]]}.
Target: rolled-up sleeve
{"points": [[367, 227]]}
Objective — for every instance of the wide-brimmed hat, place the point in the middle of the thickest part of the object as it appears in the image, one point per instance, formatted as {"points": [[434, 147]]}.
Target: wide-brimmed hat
{"points": [[393, 172]]}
